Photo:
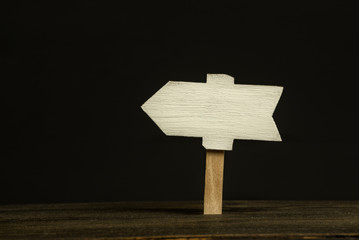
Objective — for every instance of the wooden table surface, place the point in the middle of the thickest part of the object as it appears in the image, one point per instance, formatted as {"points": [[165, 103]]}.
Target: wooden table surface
{"points": [[182, 220]]}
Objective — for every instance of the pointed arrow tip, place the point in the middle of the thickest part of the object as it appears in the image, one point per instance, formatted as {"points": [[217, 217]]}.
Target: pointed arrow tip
{"points": [[143, 107]]}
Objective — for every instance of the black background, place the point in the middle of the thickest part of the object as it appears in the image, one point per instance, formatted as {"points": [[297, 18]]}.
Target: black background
{"points": [[73, 78]]}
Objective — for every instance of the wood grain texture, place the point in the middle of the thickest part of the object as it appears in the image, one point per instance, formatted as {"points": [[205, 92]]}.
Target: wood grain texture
{"points": [[181, 220], [219, 111], [213, 191]]}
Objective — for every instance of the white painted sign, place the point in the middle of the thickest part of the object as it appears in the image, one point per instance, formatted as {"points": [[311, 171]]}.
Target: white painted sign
{"points": [[219, 111]]}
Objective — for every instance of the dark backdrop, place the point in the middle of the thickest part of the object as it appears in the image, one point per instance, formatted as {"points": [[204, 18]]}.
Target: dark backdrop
{"points": [[73, 78]]}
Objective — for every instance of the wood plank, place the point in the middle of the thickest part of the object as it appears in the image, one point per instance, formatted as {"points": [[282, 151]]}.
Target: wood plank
{"points": [[218, 111], [181, 220], [213, 182]]}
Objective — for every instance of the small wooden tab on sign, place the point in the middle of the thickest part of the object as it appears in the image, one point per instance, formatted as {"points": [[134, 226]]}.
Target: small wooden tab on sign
{"points": [[213, 182]]}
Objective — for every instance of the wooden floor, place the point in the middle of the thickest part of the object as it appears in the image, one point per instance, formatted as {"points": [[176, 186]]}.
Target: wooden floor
{"points": [[182, 220]]}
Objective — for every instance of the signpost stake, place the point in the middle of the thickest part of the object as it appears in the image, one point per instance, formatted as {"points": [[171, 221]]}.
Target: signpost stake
{"points": [[213, 182]]}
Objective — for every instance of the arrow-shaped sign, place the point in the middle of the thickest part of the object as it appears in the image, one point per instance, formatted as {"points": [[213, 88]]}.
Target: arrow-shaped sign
{"points": [[219, 111]]}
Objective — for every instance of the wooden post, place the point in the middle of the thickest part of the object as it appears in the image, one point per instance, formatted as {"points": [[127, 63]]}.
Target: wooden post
{"points": [[213, 182]]}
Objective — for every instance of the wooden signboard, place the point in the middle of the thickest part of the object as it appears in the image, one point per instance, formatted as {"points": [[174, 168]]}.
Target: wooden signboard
{"points": [[218, 111]]}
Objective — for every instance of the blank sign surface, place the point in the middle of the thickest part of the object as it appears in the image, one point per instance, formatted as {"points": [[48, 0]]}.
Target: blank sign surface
{"points": [[219, 111]]}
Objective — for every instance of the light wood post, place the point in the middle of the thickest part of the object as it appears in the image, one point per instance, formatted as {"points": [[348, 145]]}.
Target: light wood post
{"points": [[213, 182]]}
